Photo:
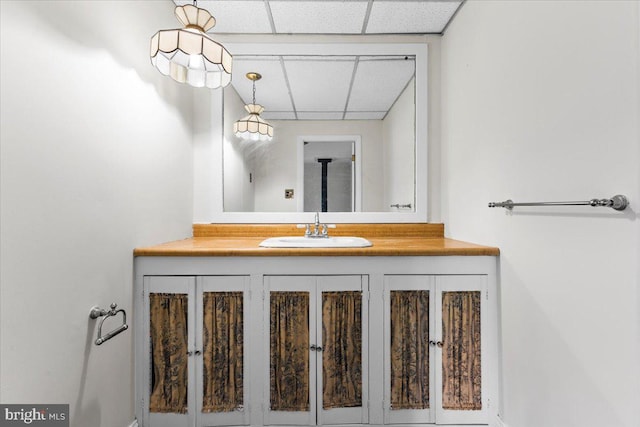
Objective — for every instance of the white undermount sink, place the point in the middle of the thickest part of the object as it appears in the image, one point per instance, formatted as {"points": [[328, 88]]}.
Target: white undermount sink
{"points": [[315, 242]]}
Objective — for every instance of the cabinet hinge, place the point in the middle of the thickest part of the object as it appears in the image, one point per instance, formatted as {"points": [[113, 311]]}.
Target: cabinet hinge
{"points": [[383, 405], [487, 294], [263, 295]]}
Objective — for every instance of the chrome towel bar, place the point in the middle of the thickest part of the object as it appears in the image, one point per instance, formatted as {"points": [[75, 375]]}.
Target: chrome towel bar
{"points": [[99, 312], [401, 206], [617, 202]]}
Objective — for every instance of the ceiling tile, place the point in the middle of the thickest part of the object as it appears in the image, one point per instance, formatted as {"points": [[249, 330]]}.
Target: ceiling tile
{"points": [[311, 115], [319, 85], [365, 115], [379, 82], [329, 17], [391, 16], [236, 16], [278, 115], [271, 90]]}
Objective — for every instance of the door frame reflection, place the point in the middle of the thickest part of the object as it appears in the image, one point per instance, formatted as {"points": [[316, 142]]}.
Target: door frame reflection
{"points": [[356, 167]]}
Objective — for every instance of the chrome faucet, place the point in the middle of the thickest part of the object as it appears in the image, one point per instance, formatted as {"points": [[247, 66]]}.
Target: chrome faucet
{"points": [[319, 230]]}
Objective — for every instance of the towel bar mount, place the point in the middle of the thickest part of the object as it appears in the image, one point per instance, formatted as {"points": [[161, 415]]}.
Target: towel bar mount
{"points": [[99, 312]]}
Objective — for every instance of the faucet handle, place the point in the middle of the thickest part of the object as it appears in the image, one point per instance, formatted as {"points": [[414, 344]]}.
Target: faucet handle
{"points": [[307, 229], [325, 228]]}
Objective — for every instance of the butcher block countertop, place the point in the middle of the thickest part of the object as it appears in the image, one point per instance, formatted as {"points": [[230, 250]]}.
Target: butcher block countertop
{"points": [[387, 240]]}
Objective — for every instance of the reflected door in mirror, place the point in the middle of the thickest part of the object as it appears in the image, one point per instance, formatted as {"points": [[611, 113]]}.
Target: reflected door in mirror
{"points": [[329, 176]]}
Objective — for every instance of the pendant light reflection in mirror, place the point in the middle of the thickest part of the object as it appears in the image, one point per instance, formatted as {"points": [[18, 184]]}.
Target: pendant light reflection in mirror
{"points": [[253, 127]]}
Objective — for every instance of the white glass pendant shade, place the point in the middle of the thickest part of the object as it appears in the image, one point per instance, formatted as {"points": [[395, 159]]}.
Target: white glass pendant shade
{"points": [[253, 127], [189, 55]]}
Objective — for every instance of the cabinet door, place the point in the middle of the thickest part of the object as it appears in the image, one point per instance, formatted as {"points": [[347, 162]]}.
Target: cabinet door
{"points": [[316, 342], [342, 326], [289, 317], [409, 307], [221, 366], [461, 349], [168, 326], [434, 347]]}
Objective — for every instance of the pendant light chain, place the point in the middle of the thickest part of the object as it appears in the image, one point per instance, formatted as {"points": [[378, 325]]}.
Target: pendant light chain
{"points": [[254, 92]]}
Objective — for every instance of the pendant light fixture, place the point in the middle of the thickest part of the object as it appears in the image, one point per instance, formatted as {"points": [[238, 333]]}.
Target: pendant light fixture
{"points": [[189, 55], [253, 127]]}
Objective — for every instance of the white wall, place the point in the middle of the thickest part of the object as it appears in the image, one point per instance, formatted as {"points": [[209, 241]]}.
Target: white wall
{"points": [[238, 157], [96, 159], [541, 101], [399, 150]]}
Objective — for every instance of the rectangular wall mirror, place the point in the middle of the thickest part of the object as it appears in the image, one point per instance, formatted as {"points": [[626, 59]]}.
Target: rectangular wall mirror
{"points": [[349, 139]]}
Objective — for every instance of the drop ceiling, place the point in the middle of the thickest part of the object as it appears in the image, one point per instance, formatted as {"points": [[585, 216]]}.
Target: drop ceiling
{"points": [[326, 88]]}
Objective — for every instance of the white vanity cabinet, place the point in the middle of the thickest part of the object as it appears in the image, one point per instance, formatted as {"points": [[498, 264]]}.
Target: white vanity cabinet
{"points": [[316, 342], [435, 349], [193, 367], [336, 340]]}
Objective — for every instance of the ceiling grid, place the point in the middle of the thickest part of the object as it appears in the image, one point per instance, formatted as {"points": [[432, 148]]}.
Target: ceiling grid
{"points": [[299, 84], [353, 78], [366, 17]]}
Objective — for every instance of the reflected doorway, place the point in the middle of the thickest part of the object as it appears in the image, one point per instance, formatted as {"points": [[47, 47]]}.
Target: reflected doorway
{"points": [[329, 174]]}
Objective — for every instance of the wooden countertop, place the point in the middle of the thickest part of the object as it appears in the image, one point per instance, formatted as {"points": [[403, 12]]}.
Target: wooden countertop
{"points": [[387, 239]]}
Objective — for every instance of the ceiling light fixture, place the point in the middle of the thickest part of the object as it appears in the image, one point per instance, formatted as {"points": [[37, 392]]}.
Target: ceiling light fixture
{"points": [[189, 55], [253, 127]]}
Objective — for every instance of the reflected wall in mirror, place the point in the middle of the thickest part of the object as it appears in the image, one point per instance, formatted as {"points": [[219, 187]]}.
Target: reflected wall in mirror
{"points": [[323, 98]]}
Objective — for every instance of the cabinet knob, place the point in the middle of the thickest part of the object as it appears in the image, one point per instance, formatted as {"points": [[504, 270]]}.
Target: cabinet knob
{"points": [[198, 352], [189, 353], [439, 344], [318, 348], [432, 343], [313, 347]]}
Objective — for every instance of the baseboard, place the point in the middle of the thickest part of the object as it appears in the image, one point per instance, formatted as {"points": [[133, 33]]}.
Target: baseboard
{"points": [[133, 424]]}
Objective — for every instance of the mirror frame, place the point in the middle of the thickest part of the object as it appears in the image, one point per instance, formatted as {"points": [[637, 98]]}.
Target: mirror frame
{"points": [[209, 158]]}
